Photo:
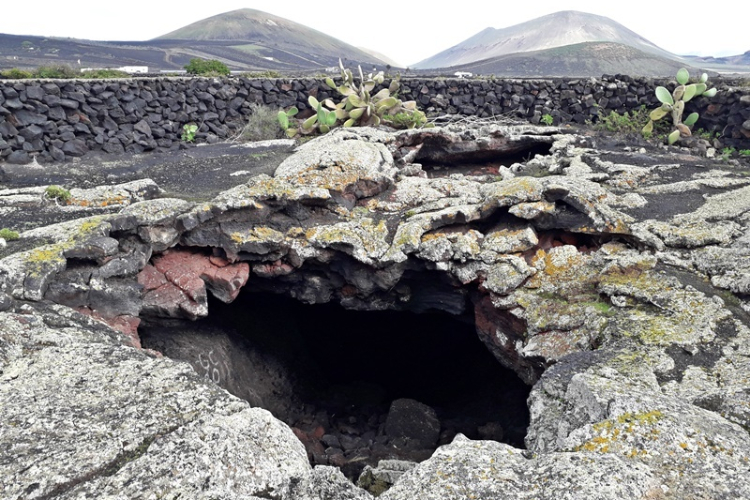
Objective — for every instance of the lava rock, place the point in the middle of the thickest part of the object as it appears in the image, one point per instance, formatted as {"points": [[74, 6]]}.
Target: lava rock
{"points": [[18, 158], [378, 479], [6, 301], [75, 147], [412, 424]]}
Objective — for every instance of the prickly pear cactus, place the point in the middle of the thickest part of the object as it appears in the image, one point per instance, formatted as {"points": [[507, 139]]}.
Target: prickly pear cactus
{"points": [[358, 106], [284, 117], [674, 103]]}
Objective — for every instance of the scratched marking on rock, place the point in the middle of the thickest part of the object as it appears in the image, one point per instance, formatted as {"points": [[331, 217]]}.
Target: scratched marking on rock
{"points": [[211, 367]]}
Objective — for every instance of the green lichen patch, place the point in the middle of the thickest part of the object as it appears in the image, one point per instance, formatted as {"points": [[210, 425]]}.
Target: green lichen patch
{"points": [[622, 435], [257, 234], [365, 239], [459, 243], [694, 234], [663, 311]]}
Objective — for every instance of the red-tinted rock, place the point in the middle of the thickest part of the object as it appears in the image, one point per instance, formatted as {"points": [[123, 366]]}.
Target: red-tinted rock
{"points": [[169, 301], [126, 324], [176, 283], [501, 332], [277, 268], [311, 441], [150, 278]]}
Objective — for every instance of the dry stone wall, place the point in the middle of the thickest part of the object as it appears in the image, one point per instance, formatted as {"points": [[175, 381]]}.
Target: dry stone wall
{"points": [[55, 120]]}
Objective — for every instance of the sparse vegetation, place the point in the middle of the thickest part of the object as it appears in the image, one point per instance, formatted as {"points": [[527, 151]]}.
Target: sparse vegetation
{"points": [[727, 153], [261, 124], [47, 72], [57, 193], [546, 119], [105, 73], [406, 120], [744, 152], [262, 74], [188, 132], [57, 71], [206, 67], [674, 103], [8, 234], [705, 135], [628, 123], [16, 74], [60, 72]]}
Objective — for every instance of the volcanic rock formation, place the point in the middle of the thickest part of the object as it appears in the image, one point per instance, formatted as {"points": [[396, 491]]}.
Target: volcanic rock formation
{"points": [[616, 283]]}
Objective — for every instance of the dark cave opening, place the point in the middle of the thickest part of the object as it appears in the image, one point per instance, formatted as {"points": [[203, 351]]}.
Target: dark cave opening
{"points": [[438, 162], [333, 375]]}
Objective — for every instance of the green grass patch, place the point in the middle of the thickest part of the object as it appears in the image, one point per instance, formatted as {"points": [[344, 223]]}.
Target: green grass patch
{"points": [[8, 234]]}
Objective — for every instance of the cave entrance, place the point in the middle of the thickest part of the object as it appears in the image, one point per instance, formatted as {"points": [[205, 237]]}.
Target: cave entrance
{"points": [[356, 387]]}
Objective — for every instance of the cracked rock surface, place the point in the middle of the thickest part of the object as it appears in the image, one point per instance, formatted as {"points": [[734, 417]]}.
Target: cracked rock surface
{"points": [[616, 282]]}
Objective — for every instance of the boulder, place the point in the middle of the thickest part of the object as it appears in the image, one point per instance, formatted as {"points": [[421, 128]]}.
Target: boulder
{"points": [[379, 479], [18, 158], [75, 147], [412, 424], [343, 163]]}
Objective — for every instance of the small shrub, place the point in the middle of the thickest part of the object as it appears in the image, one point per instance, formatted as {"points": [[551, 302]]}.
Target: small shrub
{"points": [[262, 74], [744, 152], [16, 74], [105, 73], [406, 120], [627, 123], [57, 193], [206, 67], [705, 135], [727, 153], [58, 71], [262, 124], [188, 132], [8, 234], [547, 119]]}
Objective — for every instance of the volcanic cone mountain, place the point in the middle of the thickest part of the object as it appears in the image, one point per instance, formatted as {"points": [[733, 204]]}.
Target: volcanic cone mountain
{"points": [[265, 36], [547, 32]]}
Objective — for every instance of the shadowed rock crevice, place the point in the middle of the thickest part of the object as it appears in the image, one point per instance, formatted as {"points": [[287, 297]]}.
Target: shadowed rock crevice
{"points": [[356, 387], [479, 161]]}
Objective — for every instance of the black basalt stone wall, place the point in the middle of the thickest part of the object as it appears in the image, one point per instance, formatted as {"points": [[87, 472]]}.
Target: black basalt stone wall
{"points": [[55, 120]]}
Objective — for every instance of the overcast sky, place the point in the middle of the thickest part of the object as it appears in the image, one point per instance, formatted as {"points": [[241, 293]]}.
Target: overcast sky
{"points": [[406, 31]]}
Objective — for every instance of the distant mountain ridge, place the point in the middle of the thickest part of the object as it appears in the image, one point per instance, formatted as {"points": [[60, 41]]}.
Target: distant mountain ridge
{"points": [[244, 40], [546, 32], [739, 63], [577, 60], [255, 41]]}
